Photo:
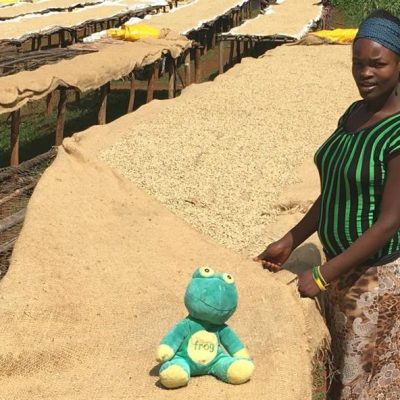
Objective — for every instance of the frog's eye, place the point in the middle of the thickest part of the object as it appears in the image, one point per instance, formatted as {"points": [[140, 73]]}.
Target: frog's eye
{"points": [[228, 278], [206, 272]]}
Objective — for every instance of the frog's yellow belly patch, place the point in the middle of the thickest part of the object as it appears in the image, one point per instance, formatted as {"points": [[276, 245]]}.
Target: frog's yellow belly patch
{"points": [[202, 347]]}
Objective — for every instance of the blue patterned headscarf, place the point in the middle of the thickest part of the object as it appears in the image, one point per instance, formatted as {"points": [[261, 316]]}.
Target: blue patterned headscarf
{"points": [[382, 31]]}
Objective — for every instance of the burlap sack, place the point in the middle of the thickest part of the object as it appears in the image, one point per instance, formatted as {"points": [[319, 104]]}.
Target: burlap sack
{"points": [[98, 277], [113, 59]]}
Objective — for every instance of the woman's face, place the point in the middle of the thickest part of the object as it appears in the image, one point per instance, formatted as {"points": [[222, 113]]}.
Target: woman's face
{"points": [[376, 69]]}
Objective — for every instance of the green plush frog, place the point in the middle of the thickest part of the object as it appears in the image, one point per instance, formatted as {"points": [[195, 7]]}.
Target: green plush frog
{"points": [[194, 345]]}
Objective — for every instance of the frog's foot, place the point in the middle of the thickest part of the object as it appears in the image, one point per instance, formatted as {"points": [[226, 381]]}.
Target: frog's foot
{"points": [[240, 371], [233, 370], [174, 374]]}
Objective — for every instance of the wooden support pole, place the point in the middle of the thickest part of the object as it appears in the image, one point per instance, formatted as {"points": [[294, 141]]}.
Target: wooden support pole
{"points": [[188, 70], [245, 48], [61, 39], [49, 104], [231, 52], [221, 57], [205, 40], [102, 115], [214, 36], [62, 107], [238, 53], [152, 81], [197, 65], [131, 99], [74, 36], [77, 96], [171, 77], [228, 24], [14, 138]]}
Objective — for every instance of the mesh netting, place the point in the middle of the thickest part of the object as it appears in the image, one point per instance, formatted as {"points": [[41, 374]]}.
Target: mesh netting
{"points": [[16, 187]]}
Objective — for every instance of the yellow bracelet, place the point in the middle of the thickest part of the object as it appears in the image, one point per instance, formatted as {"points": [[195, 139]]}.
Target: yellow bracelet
{"points": [[320, 284], [321, 277], [317, 279]]}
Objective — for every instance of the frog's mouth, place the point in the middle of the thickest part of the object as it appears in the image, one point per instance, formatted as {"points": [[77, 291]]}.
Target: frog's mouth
{"points": [[210, 306]]}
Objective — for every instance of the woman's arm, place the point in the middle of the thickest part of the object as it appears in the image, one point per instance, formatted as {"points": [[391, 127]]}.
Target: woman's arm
{"points": [[386, 226], [307, 225], [276, 254]]}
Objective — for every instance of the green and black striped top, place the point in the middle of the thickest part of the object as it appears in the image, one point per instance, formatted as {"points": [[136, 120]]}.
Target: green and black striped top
{"points": [[353, 170]]}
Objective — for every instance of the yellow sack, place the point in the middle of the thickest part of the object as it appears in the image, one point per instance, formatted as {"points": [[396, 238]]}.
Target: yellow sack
{"points": [[337, 35], [133, 32]]}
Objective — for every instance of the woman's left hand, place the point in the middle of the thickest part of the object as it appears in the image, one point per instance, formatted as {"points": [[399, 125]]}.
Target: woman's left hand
{"points": [[306, 285]]}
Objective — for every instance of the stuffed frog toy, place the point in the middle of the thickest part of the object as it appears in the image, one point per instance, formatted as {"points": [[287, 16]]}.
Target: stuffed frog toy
{"points": [[195, 345]]}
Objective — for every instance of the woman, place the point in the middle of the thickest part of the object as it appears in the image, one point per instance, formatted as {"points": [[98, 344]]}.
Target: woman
{"points": [[357, 217]]}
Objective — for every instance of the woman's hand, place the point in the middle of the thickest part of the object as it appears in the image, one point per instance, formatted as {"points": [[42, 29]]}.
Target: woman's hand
{"points": [[275, 255], [306, 285]]}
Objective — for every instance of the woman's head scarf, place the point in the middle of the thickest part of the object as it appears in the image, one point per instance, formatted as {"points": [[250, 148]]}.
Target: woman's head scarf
{"points": [[381, 30]]}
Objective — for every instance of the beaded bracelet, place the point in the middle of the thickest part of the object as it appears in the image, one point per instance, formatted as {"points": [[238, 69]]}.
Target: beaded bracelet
{"points": [[318, 278]]}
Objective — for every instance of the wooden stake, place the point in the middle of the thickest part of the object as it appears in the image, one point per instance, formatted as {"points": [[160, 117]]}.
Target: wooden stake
{"points": [[151, 82], [197, 65], [102, 115], [221, 57], [131, 100], [62, 106], [172, 78], [14, 139], [188, 70]]}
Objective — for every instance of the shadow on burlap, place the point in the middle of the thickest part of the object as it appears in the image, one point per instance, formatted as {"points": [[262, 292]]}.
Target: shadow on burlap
{"points": [[97, 279]]}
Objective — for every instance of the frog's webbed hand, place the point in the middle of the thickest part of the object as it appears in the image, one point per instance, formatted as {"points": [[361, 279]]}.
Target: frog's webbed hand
{"points": [[170, 344], [232, 343]]}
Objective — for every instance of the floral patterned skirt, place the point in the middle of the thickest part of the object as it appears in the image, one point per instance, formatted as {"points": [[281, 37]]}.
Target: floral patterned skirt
{"points": [[363, 316]]}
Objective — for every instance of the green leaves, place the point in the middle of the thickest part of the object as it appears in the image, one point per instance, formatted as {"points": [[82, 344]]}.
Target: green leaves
{"points": [[353, 11]]}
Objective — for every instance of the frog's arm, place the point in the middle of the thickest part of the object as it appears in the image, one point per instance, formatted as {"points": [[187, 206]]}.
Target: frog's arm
{"points": [[232, 343], [170, 344]]}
